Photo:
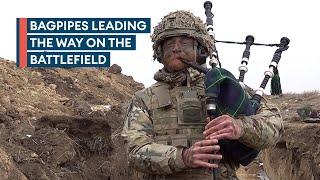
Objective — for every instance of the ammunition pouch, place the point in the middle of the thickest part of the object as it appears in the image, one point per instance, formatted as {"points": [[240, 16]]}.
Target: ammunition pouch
{"points": [[190, 107]]}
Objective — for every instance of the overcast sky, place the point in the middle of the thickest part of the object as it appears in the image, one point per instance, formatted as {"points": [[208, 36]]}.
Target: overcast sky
{"points": [[267, 21]]}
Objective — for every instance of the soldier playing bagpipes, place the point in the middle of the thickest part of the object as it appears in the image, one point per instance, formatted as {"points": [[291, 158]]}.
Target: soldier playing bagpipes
{"points": [[169, 132]]}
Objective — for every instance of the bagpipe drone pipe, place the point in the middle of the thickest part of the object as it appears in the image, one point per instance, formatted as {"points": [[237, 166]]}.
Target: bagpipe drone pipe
{"points": [[226, 95]]}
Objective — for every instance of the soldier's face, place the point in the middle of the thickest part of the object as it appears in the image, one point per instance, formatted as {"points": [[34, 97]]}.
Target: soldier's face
{"points": [[175, 49]]}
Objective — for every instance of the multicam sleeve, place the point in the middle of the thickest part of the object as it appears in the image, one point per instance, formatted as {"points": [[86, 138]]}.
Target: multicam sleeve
{"points": [[144, 154], [263, 129]]}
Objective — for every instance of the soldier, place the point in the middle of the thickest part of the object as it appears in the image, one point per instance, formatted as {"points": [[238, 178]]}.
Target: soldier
{"points": [[168, 133]]}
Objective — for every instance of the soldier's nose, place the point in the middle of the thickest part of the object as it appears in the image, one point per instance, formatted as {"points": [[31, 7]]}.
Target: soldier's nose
{"points": [[176, 47]]}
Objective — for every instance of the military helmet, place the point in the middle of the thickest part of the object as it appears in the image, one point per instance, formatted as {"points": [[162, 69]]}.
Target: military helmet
{"points": [[181, 23]]}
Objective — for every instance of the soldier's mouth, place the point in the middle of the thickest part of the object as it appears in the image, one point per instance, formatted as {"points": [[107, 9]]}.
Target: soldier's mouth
{"points": [[183, 61], [177, 59]]}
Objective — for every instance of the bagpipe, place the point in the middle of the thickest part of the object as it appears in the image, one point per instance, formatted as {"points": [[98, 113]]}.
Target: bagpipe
{"points": [[226, 95]]}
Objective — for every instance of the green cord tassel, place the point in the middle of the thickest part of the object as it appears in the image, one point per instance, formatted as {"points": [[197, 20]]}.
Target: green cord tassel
{"points": [[275, 83]]}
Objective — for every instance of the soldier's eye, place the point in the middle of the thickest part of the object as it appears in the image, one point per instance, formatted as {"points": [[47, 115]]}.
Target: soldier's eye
{"points": [[186, 42], [169, 43]]}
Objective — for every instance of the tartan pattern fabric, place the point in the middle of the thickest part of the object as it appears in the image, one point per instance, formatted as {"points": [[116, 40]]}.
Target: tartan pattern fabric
{"points": [[231, 98]]}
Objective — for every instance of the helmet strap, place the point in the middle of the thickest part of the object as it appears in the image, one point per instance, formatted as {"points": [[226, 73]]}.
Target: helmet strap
{"points": [[195, 48], [159, 53]]}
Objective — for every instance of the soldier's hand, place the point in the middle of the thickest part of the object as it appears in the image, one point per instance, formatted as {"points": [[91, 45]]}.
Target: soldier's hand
{"points": [[222, 127], [199, 154]]}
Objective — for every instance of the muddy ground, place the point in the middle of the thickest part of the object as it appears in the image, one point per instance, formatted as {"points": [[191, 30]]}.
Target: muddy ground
{"points": [[297, 155], [65, 124], [62, 123]]}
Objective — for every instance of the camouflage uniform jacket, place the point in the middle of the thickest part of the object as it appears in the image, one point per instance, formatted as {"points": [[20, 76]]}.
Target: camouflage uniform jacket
{"points": [[146, 150]]}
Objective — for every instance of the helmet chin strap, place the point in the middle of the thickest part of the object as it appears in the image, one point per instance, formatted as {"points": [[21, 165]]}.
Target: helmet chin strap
{"points": [[195, 48], [189, 73]]}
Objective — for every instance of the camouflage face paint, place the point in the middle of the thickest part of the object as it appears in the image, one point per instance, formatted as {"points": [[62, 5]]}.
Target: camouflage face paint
{"points": [[176, 48]]}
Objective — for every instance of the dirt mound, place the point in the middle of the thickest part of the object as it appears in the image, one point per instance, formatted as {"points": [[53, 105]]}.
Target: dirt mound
{"points": [[62, 123], [297, 155], [65, 124]]}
